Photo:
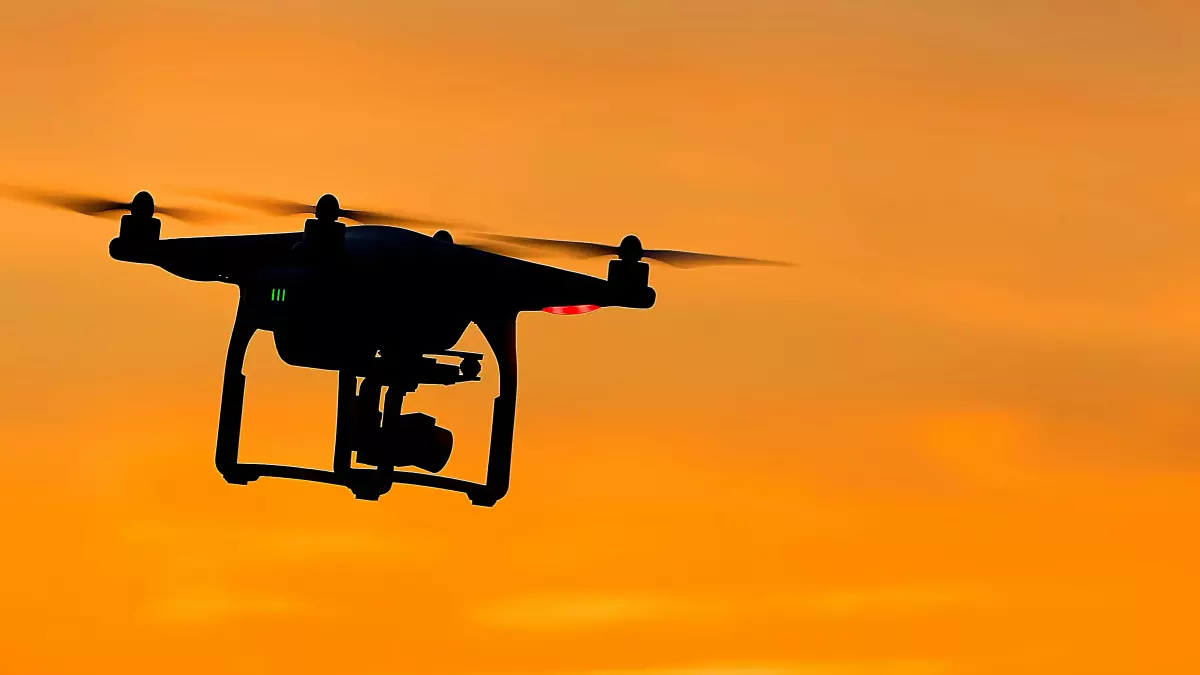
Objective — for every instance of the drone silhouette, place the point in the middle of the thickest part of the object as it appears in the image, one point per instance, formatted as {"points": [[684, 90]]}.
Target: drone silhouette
{"points": [[379, 304]]}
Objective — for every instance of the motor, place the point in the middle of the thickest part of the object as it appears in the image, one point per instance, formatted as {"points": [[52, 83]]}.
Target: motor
{"points": [[140, 225]]}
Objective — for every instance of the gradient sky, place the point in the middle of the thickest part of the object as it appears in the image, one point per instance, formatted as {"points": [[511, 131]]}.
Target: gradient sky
{"points": [[958, 438]]}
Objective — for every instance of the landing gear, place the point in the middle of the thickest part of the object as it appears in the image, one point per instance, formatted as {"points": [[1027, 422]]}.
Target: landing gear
{"points": [[364, 432]]}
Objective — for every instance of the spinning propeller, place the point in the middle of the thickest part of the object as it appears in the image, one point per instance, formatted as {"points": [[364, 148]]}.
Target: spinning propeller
{"points": [[326, 208], [142, 204], [630, 250]]}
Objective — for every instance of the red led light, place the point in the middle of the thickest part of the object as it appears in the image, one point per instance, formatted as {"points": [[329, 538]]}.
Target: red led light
{"points": [[571, 309]]}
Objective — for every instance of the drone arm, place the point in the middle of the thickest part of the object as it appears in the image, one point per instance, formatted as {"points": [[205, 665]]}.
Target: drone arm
{"points": [[501, 334]]}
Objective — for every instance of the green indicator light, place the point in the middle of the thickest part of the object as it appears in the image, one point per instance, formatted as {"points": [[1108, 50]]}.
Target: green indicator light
{"points": [[283, 294], [272, 294]]}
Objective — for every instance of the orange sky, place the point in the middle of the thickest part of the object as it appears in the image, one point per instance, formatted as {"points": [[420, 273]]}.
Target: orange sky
{"points": [[958, 438]]}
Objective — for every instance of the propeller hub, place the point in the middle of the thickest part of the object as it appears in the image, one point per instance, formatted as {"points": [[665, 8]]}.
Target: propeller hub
{"points": [[327, 208], [142, 205], [630, 249]]}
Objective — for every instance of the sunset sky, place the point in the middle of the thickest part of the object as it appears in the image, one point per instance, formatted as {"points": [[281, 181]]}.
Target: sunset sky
{"points": [[959, 437]]}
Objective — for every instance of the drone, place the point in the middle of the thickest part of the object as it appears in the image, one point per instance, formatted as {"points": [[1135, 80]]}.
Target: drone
{"points": [[383, 305]]}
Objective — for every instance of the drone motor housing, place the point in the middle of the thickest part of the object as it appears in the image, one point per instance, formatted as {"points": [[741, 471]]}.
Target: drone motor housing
{"points": [[139, 228], [323, 236], [629, 273]]}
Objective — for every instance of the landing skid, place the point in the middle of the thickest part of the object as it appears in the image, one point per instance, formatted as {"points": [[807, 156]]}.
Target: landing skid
{"points": [[366, 484], [370, 483]]}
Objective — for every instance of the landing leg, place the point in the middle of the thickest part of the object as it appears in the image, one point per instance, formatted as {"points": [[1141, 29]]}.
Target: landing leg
{"points": [[501, 334], [343, 439], [229, 428]]}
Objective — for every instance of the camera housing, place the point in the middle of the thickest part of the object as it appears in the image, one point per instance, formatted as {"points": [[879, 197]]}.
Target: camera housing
{"points": [[410, 439]]}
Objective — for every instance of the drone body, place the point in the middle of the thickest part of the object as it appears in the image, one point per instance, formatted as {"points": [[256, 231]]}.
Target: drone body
{"points": [[379, 305]]}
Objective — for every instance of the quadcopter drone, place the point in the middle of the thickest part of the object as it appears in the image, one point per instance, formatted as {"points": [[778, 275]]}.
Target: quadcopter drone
{"points": [[379, 304]]}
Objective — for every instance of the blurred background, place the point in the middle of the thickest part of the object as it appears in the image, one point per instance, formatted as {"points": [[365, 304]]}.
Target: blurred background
{"points": [[957, 438]]}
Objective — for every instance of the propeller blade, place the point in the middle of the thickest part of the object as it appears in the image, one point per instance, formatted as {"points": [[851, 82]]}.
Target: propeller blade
{"points": [[268, 205], [189, 215], [98, 206], [582, 249], [283, 207], [577, 249], [88, 206], [382, 218], [688, 260], [507, 250]]}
